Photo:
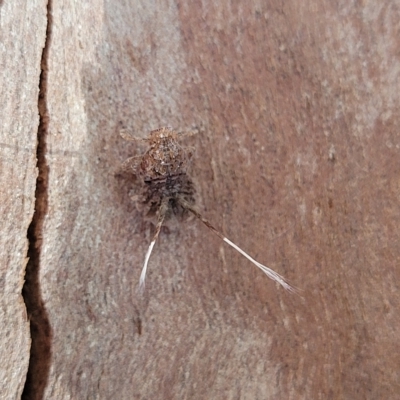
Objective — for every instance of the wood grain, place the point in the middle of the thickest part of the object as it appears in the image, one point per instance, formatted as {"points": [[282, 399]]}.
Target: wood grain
{"points": [[22, 41], [296, 160]]}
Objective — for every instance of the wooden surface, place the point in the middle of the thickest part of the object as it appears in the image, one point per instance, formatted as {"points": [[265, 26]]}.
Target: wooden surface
{"points": [[22, 37], [296, 159]]}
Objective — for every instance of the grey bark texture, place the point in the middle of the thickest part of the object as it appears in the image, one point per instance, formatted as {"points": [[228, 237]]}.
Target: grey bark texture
{"points": [[22, 38], [296, 160]]}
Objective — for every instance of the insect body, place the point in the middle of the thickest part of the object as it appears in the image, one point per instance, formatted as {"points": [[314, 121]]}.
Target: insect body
{"points": [[162, 170], [169, 190]]}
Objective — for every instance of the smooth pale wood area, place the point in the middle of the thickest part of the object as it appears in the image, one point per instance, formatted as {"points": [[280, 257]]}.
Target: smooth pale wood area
{"points": [[22, 28], [297, 160]]}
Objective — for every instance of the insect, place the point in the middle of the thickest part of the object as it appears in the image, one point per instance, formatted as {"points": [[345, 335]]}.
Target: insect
{"points": [[168, 189]]}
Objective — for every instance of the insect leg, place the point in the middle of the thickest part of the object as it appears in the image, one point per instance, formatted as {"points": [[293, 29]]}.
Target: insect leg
{"points": [[128, 136]]}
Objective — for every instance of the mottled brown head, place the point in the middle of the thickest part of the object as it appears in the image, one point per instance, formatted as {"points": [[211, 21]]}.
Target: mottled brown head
{"points": [[165, 157]]}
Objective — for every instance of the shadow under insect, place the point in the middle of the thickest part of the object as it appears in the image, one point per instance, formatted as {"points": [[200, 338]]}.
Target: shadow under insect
{"points": [[167, 189]]}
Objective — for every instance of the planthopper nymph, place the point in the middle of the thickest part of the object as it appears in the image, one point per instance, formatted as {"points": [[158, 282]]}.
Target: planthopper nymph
{"points": [[168, 190]]}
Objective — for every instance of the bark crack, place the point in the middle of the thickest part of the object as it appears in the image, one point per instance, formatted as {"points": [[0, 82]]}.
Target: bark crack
{"points": [[41, 332]]}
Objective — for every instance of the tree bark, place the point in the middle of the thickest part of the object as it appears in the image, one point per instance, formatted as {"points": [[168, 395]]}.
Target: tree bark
{"points": [[295, 160], [22, 29]]}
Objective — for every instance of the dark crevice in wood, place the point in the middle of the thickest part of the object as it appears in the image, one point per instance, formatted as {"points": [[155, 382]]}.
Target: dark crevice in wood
{"points": [[41, 332]]}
